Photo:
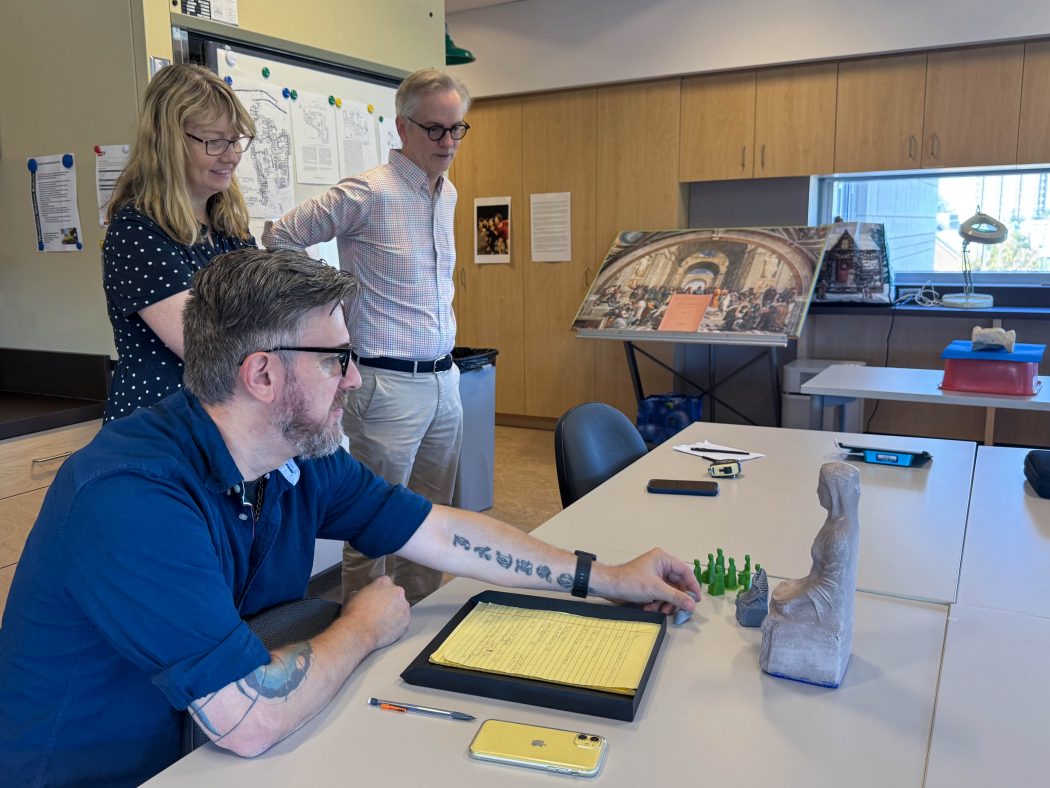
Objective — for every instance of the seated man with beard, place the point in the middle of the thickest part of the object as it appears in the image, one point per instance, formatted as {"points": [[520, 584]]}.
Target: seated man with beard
{"points": [[178, 520]]}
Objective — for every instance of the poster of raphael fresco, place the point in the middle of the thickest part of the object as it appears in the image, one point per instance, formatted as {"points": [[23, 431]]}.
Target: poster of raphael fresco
{"points": [[750, 285]]}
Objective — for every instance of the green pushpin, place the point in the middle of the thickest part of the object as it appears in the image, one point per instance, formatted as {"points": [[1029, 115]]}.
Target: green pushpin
{"points": [[266, 72], [706, 575], [331, 100], [731, 582], [295, 94]]}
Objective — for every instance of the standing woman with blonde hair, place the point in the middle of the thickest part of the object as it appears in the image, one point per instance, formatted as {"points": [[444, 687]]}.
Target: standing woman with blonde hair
{"points": [[175, 207]]}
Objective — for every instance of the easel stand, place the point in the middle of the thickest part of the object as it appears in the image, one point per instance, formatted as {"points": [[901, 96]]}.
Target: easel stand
{"points": [[713, 381]]}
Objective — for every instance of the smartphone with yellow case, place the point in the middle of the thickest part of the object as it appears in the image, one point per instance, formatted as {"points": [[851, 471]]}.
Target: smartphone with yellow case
{"points": [[536, 747]]}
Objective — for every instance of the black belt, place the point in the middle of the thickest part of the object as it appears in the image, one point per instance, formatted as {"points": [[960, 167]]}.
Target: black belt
{"points": [[442, 364]]}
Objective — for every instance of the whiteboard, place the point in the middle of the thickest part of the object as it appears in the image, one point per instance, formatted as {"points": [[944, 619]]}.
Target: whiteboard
{"points": [[314, 128]]}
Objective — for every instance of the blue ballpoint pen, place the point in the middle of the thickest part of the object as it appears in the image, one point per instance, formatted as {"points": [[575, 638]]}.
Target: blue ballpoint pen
{"points": [[390, 705]]}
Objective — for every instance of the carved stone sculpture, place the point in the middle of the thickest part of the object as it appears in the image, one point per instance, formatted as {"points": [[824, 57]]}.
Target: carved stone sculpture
{"points": [[808, 632], [751, 605]]}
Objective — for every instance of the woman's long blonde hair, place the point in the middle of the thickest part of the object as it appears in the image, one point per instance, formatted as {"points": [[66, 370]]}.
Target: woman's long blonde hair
{"points": [[154, 182]]}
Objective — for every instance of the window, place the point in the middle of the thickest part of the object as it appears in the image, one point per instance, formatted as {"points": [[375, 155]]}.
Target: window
{"points": [[922, 214]]}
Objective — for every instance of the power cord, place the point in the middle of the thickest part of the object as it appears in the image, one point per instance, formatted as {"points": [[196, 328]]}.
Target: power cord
{"points": [[924, 296]]}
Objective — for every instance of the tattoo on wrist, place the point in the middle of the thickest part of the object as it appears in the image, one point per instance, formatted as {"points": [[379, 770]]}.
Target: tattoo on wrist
{"points": [[544, 572], [565, 581], [507, 561]]}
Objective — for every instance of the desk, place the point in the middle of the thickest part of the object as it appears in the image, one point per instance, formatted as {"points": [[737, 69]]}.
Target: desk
{"points": [[912, 520], [709, 710], [990, 727], [1007, 550], [908, 385]]}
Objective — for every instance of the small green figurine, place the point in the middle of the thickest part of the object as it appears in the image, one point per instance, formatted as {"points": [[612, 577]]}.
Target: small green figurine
{"points": [[706, 576], [718, 585], [697, 570], [744, 575], [731, 581], [721, 559]]}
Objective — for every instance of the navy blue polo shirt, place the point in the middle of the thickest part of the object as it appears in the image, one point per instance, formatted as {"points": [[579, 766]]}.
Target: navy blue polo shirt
{"points": [[127, 602]]}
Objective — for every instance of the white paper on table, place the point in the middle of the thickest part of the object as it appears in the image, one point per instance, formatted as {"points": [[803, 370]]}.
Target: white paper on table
{"points": [[110, 161], [313, 132], [711, 450], [265, 171], [53, 190], [356, 131], [551, 227]]}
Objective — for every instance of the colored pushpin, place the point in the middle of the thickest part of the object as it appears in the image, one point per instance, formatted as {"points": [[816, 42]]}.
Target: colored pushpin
{"points": [[371, 109], [295, 94], [98, 150], [331, 101], [380, 118], [67, 160], [266, 72], [228, 80], [338, 102], [731, 581], [286, 92]]}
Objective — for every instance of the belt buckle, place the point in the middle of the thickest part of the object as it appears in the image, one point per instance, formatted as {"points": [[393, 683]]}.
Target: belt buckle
{"points": [[442, 371]]}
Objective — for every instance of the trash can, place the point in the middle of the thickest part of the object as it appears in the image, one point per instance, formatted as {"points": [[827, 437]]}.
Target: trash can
{"points": [[477, 456]]}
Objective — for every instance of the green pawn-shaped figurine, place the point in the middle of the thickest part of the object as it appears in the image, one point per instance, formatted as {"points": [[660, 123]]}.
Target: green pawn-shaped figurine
{"points": [[718, 585], [731, 582], [721, 559], [697, 570], [706, 576], [744, 575]]}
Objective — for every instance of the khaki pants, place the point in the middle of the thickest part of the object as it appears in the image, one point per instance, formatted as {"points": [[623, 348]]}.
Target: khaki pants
{"points": [[408, 429]]}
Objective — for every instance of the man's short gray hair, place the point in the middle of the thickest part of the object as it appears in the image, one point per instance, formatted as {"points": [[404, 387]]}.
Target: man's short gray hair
{"points": [[250, 300], [427, 80]]}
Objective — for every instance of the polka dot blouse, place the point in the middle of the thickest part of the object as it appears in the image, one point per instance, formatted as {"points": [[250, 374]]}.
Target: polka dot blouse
{"points": [[141, 266]]}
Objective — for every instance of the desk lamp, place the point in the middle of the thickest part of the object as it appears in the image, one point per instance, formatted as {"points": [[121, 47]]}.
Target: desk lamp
{"points": [[983, 229]]}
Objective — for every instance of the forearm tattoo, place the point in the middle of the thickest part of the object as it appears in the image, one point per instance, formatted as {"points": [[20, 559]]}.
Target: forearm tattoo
{"points": [[276, 682], [512, 564]]}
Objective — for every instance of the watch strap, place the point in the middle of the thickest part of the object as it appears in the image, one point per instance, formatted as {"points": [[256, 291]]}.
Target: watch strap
{"points": [[582, 578]]}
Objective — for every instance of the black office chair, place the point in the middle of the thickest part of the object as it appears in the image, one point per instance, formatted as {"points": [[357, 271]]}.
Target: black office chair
{"points": [[289, 622], [592, 443]]}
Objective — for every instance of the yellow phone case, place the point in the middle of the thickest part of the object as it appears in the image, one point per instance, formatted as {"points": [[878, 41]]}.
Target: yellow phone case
{"points": [[537, 747]]}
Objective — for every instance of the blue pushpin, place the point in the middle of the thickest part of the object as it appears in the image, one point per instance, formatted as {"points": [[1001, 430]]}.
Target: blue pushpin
{"points": [[286, 92], [228, 80], [67, 160], [32, 165]]}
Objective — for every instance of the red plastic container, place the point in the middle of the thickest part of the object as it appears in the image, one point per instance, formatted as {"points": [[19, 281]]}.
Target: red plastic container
{"points": [[1019, 378]]}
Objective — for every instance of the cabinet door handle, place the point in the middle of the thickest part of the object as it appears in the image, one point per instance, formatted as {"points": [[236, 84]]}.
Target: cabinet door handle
{"points": [[911, 147], [61, 456], [762, 163], [935, 146], [462, 277], [743, 157], [587, 276]]}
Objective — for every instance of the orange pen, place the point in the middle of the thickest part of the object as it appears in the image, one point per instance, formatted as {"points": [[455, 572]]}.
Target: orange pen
{"points": [[389, 705]]}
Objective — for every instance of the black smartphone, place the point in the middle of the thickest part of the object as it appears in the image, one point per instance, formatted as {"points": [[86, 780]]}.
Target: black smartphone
{"points": [[682, 487]]}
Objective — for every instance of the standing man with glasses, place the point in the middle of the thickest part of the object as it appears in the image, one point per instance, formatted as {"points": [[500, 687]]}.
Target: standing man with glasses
{"points": [[394, 229]]}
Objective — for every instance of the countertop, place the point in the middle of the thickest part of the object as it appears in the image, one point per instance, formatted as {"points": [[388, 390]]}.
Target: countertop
{"points": [[42, 390]]}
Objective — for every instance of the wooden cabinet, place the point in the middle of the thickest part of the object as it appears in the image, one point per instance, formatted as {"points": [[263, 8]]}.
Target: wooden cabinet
{"points": [[717, 140], [489, 305], [638, 189], [795, 120], [27, 466], [972, 111], [879, 113], [1033, 138], [558, 155], [766, 124]]}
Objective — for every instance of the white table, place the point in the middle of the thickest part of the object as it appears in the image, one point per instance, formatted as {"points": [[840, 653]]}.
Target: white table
{"points": [[990, 727], [708, 710], [912, 519], [1006, 558], [843, 382]]}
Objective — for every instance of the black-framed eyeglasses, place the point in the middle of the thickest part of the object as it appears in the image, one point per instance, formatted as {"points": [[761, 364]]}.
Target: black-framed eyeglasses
{"points": [[220, 146], [343, 353], [437, 132]]}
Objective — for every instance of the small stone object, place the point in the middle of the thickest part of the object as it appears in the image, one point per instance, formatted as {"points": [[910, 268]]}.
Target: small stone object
{"points": [[751, 605], [731, 581], [681, 616], [808, 633]]}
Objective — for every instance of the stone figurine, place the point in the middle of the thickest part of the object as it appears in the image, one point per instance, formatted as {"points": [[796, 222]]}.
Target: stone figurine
{"points": [[808, 632], [751, 604]]}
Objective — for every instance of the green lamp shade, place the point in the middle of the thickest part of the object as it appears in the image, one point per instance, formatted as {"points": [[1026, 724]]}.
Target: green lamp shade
{"points": [[454, 55]]}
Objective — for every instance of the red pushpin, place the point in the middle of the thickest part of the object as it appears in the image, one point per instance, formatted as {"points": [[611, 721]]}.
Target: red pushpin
{"points": [[98, 150]]}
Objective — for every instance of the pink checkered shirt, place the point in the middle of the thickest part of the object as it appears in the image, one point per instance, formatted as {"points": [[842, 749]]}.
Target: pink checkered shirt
{"points": [[397, 240]]}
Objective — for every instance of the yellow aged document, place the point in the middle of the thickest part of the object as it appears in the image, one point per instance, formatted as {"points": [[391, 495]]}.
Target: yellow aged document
{"points": [[563, 648]]}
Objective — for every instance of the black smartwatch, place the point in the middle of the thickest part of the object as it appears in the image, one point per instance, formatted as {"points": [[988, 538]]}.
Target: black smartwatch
{"points": [[583, 573]]}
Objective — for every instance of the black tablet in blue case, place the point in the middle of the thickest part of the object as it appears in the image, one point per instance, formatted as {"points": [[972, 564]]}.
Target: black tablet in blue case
{"points": [[899, 457]]}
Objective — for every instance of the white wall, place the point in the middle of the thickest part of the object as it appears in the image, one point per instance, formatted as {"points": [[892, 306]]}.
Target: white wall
{"points": [[536, 45]]}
